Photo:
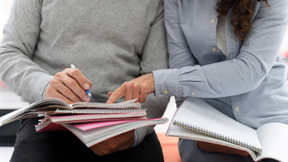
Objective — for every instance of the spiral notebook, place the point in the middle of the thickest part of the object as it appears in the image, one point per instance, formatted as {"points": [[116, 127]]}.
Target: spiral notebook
{"points": [[197, 120], [86, 122], [94, 117], [50, 105], [97, 111]]}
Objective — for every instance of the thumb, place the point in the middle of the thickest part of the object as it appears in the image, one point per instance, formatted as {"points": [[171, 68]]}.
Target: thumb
{"points": [[110, 93]]}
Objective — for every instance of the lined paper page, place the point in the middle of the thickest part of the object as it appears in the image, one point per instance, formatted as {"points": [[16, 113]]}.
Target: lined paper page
{"points": [[195, 111]]}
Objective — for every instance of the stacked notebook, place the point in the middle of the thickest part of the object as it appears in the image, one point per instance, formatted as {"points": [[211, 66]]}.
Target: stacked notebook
{"points": [[91, 122]]}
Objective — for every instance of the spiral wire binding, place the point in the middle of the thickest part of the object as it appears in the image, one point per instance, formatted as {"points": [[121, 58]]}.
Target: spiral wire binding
{"points": [[91, 111], [216, 135]]}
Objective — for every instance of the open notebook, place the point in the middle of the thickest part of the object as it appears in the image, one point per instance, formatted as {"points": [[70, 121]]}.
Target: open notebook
{"points": [[55, 106], [197, 120]]}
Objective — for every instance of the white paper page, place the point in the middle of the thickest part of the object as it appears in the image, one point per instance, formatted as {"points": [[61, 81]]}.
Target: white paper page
{"points": [[92, 133], [124, 104], [6, 118], [274, 141], [125, 128], [200, 114], [93, 136], [127, 102]]}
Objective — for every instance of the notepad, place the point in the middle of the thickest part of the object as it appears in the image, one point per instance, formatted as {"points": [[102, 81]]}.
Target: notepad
{"points": [[197, 120]]}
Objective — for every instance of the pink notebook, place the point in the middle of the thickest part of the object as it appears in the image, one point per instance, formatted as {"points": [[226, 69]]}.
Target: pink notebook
{"points": [[48, 125], [95, 117], [87, 126]]}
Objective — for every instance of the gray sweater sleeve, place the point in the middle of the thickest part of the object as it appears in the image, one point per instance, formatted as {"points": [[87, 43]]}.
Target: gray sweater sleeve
{"points": [[155, 51], [20, 37]]}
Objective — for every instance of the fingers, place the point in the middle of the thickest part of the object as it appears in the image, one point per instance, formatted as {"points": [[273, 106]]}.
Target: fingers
{"points": [[143, 95], [57, 85], [117, 143], [137, 88], [136, 91], [129, 87], [126, 89], [118, 93], [67, 86], [79, 77], [73, 85], [209, 147], [53, 93], [110, 93]]}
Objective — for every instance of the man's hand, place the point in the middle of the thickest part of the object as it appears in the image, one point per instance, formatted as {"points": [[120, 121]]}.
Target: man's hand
{"points": [[209, 147], [69, 85], [118, 143], [137, 88]]}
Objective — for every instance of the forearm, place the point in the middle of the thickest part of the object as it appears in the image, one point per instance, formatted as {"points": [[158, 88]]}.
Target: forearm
{"points": [[22, 75], [20, 37]]}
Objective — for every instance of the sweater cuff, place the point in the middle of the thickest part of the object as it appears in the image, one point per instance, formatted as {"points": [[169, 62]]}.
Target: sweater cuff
{"points": [[36, 91], [43, 97]]}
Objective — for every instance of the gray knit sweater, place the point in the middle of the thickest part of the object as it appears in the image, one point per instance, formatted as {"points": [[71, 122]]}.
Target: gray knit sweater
{"points": [[110, 41]]}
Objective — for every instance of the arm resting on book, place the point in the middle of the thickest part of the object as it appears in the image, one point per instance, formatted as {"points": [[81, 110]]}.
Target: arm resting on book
{"points": [[209, 147]]}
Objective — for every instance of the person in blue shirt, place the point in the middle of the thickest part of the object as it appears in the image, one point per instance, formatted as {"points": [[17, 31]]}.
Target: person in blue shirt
{"points": [[225, 52]]}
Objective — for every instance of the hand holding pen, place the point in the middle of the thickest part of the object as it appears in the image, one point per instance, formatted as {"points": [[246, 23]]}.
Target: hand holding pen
{"points": [[87, 90], [69, 85]]}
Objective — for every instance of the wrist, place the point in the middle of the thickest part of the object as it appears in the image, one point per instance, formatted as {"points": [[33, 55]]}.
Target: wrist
{"points": [[43, 93]]}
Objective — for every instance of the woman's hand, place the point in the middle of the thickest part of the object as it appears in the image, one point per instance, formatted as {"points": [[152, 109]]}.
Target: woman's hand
{"points": [[209, 147], [137, 88]]}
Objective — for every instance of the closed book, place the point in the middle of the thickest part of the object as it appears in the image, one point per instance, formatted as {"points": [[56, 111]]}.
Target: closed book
{"points": [[93, 136]]}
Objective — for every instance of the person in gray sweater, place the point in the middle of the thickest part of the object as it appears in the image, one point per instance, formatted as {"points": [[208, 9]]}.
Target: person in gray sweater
{"points": [[109, 42]]}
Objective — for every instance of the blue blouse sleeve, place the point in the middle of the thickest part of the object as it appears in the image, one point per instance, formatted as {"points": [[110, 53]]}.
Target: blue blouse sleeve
{"points": [[179, 52], [242, 74]]}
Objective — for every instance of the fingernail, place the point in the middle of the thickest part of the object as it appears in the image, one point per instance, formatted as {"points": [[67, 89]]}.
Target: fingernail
{"points": [[86, 86], [87, 98]]}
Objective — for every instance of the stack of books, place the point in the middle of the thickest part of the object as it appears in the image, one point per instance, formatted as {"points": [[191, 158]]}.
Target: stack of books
{"points": [[91, 122]]}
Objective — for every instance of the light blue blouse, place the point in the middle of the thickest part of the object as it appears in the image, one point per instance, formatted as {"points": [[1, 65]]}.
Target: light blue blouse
{"points": [[249, 84]]}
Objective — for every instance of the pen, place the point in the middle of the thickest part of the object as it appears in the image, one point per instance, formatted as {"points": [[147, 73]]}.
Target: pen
{"points": [[87, 91]]}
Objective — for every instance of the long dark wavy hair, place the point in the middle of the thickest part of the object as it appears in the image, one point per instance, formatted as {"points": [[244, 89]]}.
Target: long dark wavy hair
{"points": [[243, 11]]}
